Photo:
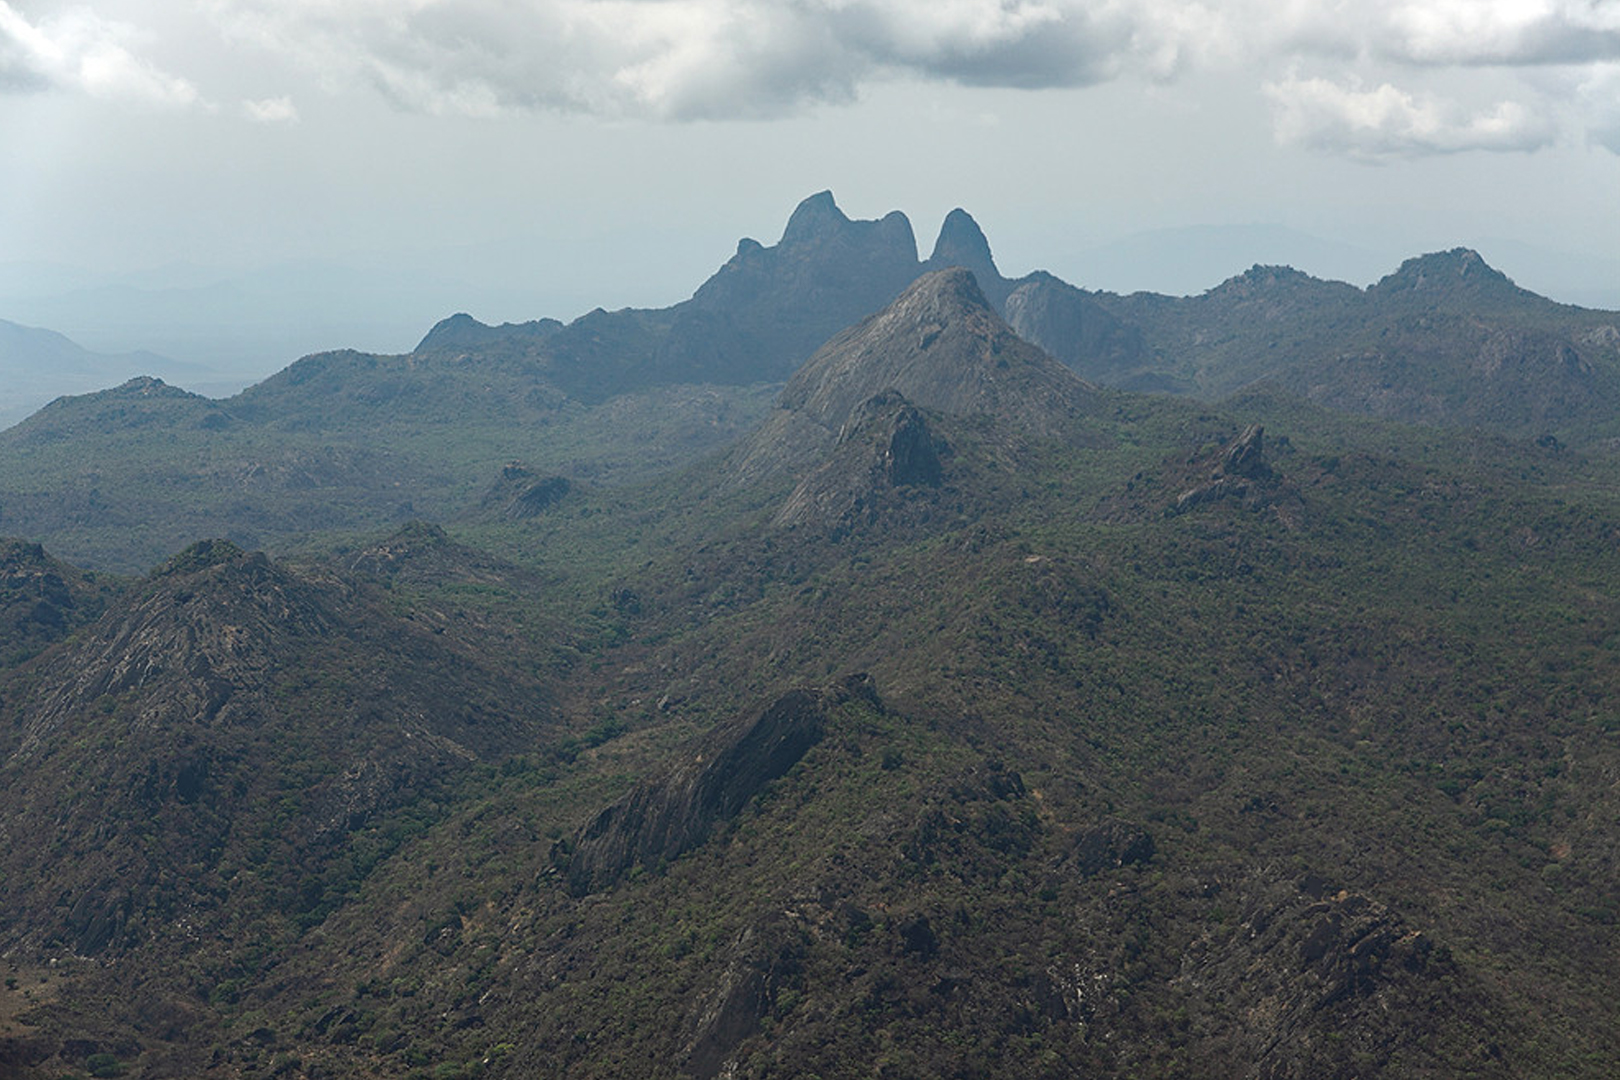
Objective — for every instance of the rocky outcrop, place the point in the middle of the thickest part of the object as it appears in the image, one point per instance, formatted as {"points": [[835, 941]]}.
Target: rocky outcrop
{"points": [[943, 347], [763, 961], [1074, 329], [886, 456], [520, 493], [962, 243], [1240, 473], [1246, 457], [662, 819], [41, 600], [1318, 981], [1109, 845]]}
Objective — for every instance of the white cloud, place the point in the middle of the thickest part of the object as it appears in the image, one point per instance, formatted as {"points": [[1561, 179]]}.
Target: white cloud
{"points": [[1506, 32], [78, 50], [1387, 122], [1550, 53], [683, 59], [277, 110], [746, 59]]}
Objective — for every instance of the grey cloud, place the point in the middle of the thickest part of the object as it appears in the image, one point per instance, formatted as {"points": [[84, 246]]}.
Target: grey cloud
{"points": [[681, 59], [750, 59], [1386, 122]]}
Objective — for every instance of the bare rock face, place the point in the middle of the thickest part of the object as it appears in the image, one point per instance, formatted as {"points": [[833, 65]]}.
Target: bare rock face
{"points": [[1109, 845], [962, 243], [1074, 328], [1240, 474], [520, 493], [943, 347], [884, 449], [662, 819], [764, 960], [910, 453], [1247, 456], [768, 308]]}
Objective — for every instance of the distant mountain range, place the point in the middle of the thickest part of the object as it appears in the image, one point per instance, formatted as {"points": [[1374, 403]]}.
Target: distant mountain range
{"points": [[1444, 340], [914, 707], [37, 366]]}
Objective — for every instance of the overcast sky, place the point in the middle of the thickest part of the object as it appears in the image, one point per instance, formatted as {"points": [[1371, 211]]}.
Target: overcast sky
{"points": [[549, 155]]}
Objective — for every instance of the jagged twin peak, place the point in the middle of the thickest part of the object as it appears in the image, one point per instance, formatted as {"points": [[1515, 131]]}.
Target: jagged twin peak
{"points": [[961, 242], [942, 347]]}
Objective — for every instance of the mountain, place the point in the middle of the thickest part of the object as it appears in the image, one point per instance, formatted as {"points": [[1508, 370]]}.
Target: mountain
{"points": [[620, 397], [1077, 330], [962, 719], [939, 347], [120, 478], [218, 760], [42, 600], [942, 346], [755, 320], [188, 708], [891, 418], [1446, 340], [39, 365]]}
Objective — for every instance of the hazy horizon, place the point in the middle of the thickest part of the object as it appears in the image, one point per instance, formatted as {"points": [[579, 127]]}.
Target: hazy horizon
{"points": [[267, 316], [343, 177]]}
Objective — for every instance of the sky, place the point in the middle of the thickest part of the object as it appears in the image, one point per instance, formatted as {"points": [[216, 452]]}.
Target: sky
{"points": [[326, 173]]}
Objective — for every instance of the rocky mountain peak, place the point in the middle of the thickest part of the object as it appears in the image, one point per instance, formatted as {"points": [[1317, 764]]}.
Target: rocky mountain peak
{"points": [[1261, 279], [962, 243], [943, 347], [817, 222], [814, 217], [461, 331], [41, 599], [1444, 271], [144, 386]]}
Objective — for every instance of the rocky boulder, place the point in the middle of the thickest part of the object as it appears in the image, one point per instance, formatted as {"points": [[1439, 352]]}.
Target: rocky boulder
{"points": [[520, 493], [662, 819]]}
